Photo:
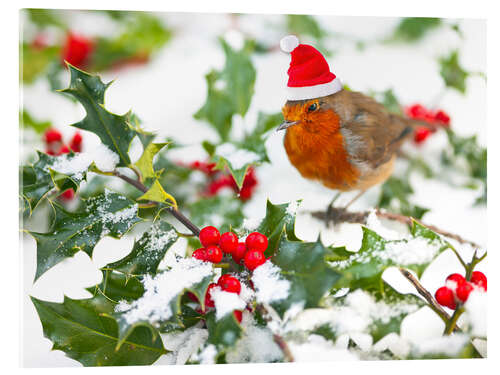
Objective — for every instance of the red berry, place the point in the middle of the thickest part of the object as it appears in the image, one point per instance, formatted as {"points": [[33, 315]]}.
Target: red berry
{"points": [[416, 111], [64, 150], [77, 138], [200, 254], [53, 135], [50, 152], [229, 284], [209, 302], [76, 50], [253, 259], [67, 195], [442, 118], [444, 296], [421, 134], [214, 254], [228, 242], [192, 297], [463, 291], [457, 279], [256, 241], [238, 314], [239, 253], [209, 236], [479, 279]]}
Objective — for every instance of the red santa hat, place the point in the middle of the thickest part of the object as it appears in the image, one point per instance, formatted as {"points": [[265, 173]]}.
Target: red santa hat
{"points": [[309, 75]]}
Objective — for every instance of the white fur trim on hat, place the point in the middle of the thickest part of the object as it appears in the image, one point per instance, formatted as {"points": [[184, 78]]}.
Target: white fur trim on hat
{"points": [[316, 91], [289, 43]]}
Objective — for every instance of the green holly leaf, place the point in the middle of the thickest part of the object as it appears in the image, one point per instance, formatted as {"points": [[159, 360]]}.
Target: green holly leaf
{"points": [[364, 268], [147, 252], [394, 196], [237, 79], [412, 29], [106, 214], [47, 173], [145, 162], [27, 121], [115, 131], [46, 17], [156, 193], [118, 286], [145, 137], [279, 219], [83, 330], [303, 265], [224, 210], [35, 61], [453, 74], [389, 100], [255, 139], [237, 160], [223, 333], [304, 25]]}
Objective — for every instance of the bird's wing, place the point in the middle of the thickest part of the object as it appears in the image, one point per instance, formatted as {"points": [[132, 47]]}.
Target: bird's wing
{"points": [[372, 135]]}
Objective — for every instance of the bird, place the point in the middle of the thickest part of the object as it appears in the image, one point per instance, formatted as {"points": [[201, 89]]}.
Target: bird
{"points": [[343, 139]]}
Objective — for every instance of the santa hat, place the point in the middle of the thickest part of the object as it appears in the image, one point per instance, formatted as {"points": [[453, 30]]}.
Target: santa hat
{"points": [[309, 75]]}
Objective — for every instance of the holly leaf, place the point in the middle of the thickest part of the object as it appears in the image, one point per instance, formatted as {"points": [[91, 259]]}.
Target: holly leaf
{"points": [[279, 220], [35, 61], [46, 17], [364, 268], [227, 211], [83, 330], [147, 252], [304, 265], [118, 286], [395, 197], [156, 193], [115, 131], [306, 25], [230, 90], [412, 29], [453, 74], [27, 121], [106, 214], [145, 162], [223, 333], [255, 140], [237, 160]]}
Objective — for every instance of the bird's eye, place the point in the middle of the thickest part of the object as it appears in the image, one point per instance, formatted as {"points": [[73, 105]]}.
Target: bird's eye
{"points": [[312, 107]]}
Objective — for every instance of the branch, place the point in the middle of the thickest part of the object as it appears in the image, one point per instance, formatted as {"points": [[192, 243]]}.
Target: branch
{"points": [[344, 216], [280, 341], [433, 304], [176, 213]]}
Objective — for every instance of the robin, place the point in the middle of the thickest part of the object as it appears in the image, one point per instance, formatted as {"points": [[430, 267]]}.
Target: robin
{"points": [[343, 139]]}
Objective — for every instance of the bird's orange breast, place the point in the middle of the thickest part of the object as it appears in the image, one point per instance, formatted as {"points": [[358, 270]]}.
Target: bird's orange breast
{"points": [[317, 151]]}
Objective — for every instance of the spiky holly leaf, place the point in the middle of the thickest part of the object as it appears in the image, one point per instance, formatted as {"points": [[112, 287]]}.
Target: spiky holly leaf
{"points": [[412, 29], [35, 61], [156, 193], [237, 79], [50, 172], [115, 131], [453, 74], [106, 214], [279, 220], [236, 159], [303, 265], [145, 137], [118, 286], [364, 268], [255, 139], [27, 121], [82, 329], [145, 162], [223, 333], [147, 252]]}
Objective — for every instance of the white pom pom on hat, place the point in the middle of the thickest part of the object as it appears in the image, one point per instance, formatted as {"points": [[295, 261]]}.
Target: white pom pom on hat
{"points": [[289, 43]]}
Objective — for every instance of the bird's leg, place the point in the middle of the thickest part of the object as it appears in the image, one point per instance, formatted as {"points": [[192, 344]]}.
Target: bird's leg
{"points": [[354, 199], [329, 214]]}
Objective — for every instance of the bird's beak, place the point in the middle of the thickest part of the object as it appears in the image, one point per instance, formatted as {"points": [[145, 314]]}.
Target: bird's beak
{"points": [[286, 124]]}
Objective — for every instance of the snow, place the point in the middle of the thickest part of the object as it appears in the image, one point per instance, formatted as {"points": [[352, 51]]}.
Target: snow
{"points": [[184, 344], [76, 165], [475, 315], [373, 222], [256, 345], [154, 305], [447, 345], [269, 286], [225, 302], [206, 356], [238, 158], [316, 348]]}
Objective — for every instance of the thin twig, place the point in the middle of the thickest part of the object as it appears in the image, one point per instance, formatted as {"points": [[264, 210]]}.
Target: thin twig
{"points": [[433, 304], [176, 213], [343, 216], [280, 341]]}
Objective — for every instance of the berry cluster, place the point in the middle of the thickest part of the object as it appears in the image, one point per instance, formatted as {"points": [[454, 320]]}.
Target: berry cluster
{"points": [[55, 146], [219, 180], [419, 112], [457, 289], [215, 245]]}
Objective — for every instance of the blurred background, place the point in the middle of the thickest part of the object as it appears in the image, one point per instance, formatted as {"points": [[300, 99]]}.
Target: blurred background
{"points": [[167, 69]]}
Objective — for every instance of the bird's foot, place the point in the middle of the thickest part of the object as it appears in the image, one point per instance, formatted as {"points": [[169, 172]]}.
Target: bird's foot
{"points": [[335, 215]]}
